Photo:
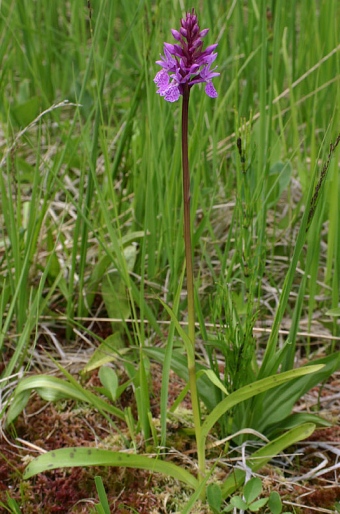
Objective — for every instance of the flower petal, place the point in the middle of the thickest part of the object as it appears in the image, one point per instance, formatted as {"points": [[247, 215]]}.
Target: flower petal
{"points": [[210, 90], [172, 94], [161, 79]]}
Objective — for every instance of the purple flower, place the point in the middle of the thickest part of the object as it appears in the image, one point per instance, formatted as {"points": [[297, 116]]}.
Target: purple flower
{"points": [[185, 62]]}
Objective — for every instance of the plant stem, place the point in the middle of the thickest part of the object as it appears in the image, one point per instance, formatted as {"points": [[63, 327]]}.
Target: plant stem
{"points": [[190, 288]]}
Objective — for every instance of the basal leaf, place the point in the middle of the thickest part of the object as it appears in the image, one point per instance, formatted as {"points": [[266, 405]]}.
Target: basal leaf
{"points": [[53, 389], [85, 457], [251, 390], [276, 405], [18, 404]]}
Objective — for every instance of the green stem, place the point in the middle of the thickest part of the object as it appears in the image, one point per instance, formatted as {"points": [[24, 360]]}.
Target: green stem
{"points": [[190, 288]]}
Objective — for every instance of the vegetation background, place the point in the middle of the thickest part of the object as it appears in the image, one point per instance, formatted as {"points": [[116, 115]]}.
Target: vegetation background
{"points": [[91, 192]]}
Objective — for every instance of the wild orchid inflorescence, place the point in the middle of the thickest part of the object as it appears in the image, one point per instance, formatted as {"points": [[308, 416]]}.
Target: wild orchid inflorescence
{"points": [[186, 62]]}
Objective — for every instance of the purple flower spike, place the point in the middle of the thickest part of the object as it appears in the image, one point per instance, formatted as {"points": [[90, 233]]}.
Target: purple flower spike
{"points": [[185, 62]]}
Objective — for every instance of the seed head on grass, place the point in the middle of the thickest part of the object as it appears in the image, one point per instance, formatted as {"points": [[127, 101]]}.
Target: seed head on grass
{"points": [[186, 62]]}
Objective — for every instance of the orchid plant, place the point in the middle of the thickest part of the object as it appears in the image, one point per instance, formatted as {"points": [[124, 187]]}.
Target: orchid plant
{"points": [[184, 64]]}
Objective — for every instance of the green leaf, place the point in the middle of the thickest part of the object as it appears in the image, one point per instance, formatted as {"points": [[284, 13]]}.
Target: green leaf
{"points": [[214, 497], [296, 419], [100, 269], [114, 291], [25, 112], [252, 489], [256, 506], [84, 457], [106, 352], [104, 504], [109, 379], [116, 299], [237, 502], [52, 389], [97, 273], [278, 181], [274, 503], [18, 404], [276, 405], [12, 504], [215, 380], [130, 252], [229, 508], [251, 390], [334, 312]]}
